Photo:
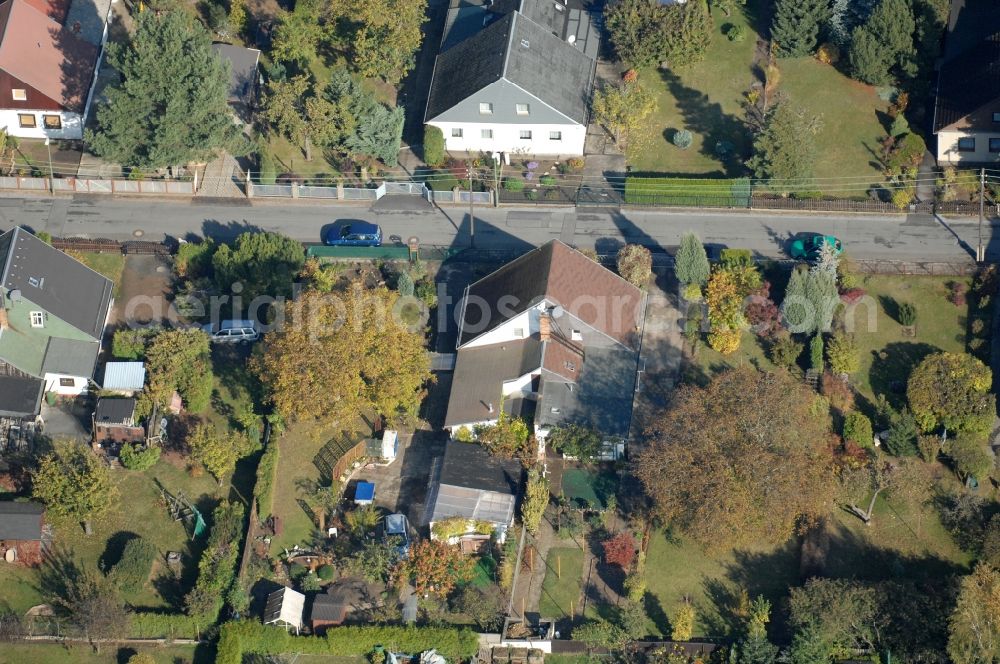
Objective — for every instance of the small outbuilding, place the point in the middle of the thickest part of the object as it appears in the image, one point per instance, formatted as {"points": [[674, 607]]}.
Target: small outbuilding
{"points": [[114, 422], [21, 527], [285, 608], [124, 378]]}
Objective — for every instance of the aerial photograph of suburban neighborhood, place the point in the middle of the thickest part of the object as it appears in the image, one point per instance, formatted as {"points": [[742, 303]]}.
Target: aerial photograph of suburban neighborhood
{"points": [[499, 331]]}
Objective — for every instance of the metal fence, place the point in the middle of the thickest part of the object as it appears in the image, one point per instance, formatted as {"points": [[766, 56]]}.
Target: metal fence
{"points": [[98, 186]]}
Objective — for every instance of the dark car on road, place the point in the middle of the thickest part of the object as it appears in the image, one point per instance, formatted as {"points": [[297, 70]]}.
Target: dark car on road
{"points": [[808, 248], [353, 233]]}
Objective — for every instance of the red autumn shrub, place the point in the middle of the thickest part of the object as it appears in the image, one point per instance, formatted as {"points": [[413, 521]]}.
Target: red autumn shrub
{"points": [[620, 550]]}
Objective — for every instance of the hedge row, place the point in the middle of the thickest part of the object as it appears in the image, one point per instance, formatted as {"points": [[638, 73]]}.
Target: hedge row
{"points": [[264, 488], [733, 192], [217, 566], [237, 639]]}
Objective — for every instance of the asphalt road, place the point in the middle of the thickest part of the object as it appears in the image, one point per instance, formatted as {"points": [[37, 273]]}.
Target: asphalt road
{"points": [[914, 237]]}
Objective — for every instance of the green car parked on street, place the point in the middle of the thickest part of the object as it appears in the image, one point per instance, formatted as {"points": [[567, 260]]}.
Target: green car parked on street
{"points": [[808, 248]]}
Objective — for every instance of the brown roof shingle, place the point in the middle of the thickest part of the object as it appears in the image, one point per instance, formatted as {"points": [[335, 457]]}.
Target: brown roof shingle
{"points": [[557, 272], [40, 52]]}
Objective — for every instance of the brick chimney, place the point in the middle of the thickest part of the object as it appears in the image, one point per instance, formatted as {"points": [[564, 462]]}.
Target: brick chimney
{"points": [[544, 326]]}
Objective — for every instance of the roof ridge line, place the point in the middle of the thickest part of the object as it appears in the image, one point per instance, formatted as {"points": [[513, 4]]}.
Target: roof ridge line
{"points": [[510, 43]]}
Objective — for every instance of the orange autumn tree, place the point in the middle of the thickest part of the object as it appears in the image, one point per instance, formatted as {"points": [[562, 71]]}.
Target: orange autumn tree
{"points": [[434, 567]]}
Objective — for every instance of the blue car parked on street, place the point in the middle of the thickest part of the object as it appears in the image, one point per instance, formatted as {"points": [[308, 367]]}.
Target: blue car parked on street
{"points": [[353, 233]]}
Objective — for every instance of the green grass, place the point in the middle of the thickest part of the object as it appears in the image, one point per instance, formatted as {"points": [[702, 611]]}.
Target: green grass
{"points": [[851, 130], [563, 583], [45, 653], [678, 569], [584, 487], [484, 572], [887, 356], [704, 98]]}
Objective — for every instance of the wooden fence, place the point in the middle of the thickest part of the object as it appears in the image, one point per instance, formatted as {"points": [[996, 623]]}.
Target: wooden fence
{"points": [[106, 246], [100, 186]]}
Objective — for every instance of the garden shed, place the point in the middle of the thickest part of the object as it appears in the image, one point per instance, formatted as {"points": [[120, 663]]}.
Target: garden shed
{"points": [[285, 608]]}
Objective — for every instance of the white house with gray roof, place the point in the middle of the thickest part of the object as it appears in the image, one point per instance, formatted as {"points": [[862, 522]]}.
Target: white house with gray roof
{"points": [[515, 76], [53, 314]]}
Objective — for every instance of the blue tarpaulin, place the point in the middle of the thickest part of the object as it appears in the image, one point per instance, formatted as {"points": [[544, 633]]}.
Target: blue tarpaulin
{"points": [[364, 494]]}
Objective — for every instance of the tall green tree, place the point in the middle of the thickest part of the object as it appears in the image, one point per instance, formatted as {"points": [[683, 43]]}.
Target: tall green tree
{"points": [[263, 263], [377, 129], [844, 614], [795, 308], [169, 108], [218, 451], [536, 499], [785, 149], [623, 109], [645, 33], [94, 606], [73, 483], [179, 360], [821, 291], [386, 34], [299, 34], [951, 390], [795, 27], [334, 361], [883, 46], [974, 629], [293, 107], [691, 262]]}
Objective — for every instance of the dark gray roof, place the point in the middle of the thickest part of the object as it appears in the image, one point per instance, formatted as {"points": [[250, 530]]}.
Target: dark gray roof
{"points": [[56, 282], [469, 67], [20, 396], [968, 82], [600, 398], [469, 465], [535, 57], [71, 357], [21, 521], [242, 70], [328, 607], [479, 375], [969, 23], [112, 410]]}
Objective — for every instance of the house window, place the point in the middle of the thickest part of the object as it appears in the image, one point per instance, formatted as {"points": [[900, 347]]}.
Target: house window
{"points": [[52, 121], [995, 145], [456, 133], [518, 332], [19, 94], [26, 120], [555, 135], [486, 133], [576, 335], [967, 144], [37, 319], [485, 108], [522, 109], [996, 117], [525, 134], [67, 382]]}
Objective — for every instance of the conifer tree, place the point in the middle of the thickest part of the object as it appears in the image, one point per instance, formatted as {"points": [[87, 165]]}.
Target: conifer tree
{"points": [[170, 106], [691, 262], [796, 25]]}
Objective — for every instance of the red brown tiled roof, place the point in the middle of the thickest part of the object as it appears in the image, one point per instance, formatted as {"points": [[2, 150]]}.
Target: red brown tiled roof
{"points": [[43, 54], [559, 273]]}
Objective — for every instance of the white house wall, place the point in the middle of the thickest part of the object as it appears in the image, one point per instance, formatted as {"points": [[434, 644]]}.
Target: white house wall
{"points": [[507, 138], [72, 125], [52, 385], [526, 320], [948, 153]]}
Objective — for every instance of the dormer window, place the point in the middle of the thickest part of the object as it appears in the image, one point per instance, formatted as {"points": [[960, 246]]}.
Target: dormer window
{"points": [[485, 108], [576, 335], [521, 109], [518, 332], [37, 319], [996, 117]]}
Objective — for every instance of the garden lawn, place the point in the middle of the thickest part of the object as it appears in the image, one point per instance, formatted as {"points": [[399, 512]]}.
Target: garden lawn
{"points": [[849, 138], [678, 568], [887, 356], [82, 653], [140, 512], [584, 487], [705, 98], [563, 583]]}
